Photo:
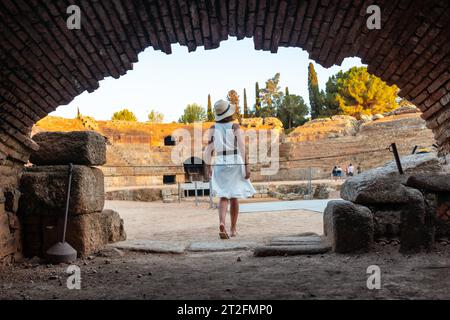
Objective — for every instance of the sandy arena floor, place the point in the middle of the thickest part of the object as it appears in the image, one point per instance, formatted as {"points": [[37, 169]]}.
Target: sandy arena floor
{"points": [[116, 274], [186, 223]]}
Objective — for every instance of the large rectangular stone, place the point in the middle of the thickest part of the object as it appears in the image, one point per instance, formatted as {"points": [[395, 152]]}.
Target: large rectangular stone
{"points": [[44, 190], [348, 227], [77, 147], [413, 228], [86, 233]]}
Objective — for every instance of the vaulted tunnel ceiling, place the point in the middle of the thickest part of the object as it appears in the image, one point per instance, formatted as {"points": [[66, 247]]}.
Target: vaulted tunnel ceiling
{"points": [[43, 64]]}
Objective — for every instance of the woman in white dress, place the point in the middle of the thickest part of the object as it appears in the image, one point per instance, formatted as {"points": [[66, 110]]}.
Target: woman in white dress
{"points": [[231, 173]]}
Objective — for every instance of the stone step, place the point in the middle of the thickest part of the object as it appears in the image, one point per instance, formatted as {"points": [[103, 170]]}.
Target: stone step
{"points": [[294, 245], [151, 246], [220, 246], [291, 250]]}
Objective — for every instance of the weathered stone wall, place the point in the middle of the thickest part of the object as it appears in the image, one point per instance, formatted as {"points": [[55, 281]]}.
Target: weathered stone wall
{"points": [[135, 150], [278, 190], [343, 141]]}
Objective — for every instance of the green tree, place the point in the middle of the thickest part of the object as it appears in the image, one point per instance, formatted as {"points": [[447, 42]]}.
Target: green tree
{"points": [[361, 93], [192, 113], [210, 114], [271, 96], [246, 114], [293, 110], [257, 101], [315, 97], [124, 115], [155, 117], [331, 105]]}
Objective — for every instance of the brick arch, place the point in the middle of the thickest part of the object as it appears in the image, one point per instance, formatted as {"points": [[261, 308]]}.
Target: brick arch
{"points": [[43, 64]]}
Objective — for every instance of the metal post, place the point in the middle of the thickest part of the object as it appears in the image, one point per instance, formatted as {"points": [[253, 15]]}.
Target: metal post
{"points": [[393, 149], [62, 251], [179, 192], [196, 195], [310, 183], [69, 186], [210, 195]]}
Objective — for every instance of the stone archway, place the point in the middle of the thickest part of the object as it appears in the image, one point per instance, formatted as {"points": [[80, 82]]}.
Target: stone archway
{"points": [[194, 169], [44, 64]]}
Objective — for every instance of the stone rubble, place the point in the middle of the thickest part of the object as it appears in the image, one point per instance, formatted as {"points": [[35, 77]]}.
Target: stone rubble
{"points": [[412, 209]]}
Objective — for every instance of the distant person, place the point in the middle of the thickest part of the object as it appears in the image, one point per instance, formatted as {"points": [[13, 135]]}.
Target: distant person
{"points": [[231, 174], [358, 169], [334, 173], [350, 170], [339, 172]]}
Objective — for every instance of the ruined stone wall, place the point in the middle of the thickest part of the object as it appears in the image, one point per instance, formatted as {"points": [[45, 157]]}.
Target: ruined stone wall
{"points": [[135, 151], [344, 140]]}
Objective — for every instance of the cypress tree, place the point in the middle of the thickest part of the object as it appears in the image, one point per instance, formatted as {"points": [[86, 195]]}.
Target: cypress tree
{"points": [[314, 93], [245, 104], [286, 105], [210, 114], [258, 101]]}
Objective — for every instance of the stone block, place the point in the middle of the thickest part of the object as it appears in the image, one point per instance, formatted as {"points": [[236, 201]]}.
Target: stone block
{"points": [[386, 222], [44, 190], [414, 234], [142, 195], [384, 184], [77, 147], [114, 226], [430, 182], [380, 190], [86, 233], [348, 227]]}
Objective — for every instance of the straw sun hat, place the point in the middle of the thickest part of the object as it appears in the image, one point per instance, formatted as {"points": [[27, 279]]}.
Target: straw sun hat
{"points": [[223, 109]]}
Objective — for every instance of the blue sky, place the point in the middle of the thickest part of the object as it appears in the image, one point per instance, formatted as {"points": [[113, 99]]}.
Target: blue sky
{"points": [[167, 83]]}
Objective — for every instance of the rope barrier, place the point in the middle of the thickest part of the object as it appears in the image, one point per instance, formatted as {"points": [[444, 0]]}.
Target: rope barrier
{"points": [[240, 164]]}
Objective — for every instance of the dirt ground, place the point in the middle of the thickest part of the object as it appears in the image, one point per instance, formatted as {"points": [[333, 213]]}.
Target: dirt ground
{"points": [[116, 274], [235, 275], [186, 223]]}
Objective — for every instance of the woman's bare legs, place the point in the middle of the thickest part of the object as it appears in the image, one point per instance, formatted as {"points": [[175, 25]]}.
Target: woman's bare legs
{"points": [[234, 212], [223, 208]]}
